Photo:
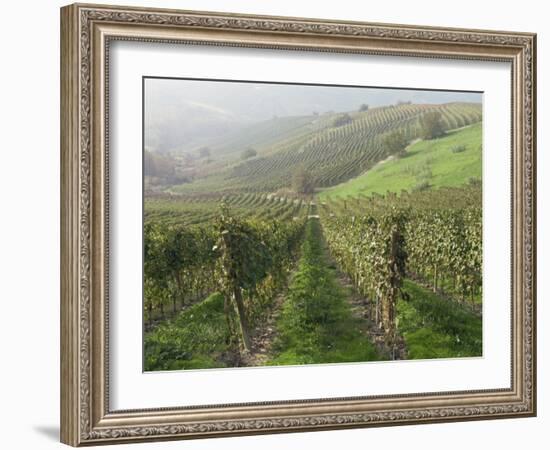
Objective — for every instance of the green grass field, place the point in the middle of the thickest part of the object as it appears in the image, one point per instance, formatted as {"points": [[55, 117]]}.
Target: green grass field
{"points": [[426, 161], [437, 328], [194, 339]]}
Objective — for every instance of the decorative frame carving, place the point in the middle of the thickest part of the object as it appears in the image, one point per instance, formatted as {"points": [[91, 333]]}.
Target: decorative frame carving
{"points": [[86, 31]]}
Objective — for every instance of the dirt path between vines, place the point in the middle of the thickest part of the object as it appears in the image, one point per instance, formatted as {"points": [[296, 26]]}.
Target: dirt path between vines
{"points": [[361, 310], [263, 337]]}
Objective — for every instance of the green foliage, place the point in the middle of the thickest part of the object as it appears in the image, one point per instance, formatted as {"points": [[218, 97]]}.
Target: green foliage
{"points": [[178, 262], [376, 240], [246, 261], [301, 181], [364, 107], [432, 125], [239, 261], [253, 260], [395, 143], [445, 243], [250, 250], [371, 249], [195, 339], [316, 324], [439, 240], [437, 328]]}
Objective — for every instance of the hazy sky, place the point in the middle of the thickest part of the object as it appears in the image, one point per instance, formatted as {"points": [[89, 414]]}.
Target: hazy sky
{"points": [[180, 114]]}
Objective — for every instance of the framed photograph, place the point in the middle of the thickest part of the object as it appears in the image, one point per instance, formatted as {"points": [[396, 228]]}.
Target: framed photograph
{"points": [[276, 224]]}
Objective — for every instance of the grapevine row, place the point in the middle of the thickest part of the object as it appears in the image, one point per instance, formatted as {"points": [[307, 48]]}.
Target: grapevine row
{"points": [[434, 236], [246, 260]]}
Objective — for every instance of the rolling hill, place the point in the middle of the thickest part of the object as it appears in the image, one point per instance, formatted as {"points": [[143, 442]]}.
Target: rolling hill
{"points": [[426, 164], [331, 151]]}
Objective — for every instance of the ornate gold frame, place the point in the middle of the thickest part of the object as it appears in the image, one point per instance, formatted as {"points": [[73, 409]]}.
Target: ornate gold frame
{"points": [[86, 31]]}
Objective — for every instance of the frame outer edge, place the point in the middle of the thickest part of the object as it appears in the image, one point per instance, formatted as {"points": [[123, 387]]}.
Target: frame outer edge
{"points": [[79, 424], [69, 183], [533, 230]]}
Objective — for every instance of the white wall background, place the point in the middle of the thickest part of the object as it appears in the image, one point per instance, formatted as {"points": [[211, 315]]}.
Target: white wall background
{"points": [[29, 224]]}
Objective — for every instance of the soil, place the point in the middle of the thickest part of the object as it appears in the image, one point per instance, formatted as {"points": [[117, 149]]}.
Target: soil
{"points": [[362, 309], [263, 337]]}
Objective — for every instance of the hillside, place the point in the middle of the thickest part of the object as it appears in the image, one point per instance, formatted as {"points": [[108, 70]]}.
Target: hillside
{"points": [[261, 136], [332, 153], [427, 163]]}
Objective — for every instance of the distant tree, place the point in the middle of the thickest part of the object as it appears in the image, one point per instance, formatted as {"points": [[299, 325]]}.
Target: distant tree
{"points": [[204, 152], [301, 181], [155, 165], [364, 107], [395, 143], [403, 102], [341, 120], [431, 125], [248, 153], [315, 113], [188, 159]]}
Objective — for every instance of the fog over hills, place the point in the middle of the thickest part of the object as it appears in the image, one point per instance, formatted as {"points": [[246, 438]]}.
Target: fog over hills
{"points": [[181, 115]]}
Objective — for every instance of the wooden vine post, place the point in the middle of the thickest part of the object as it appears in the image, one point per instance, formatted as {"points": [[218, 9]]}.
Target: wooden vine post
{"points": [[396, 272], [232, 285]]}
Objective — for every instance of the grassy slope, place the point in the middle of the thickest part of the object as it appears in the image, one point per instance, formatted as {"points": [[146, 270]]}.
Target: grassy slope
{"points": [[447, 168], [194, 339], [437, 328], [316, 324]]}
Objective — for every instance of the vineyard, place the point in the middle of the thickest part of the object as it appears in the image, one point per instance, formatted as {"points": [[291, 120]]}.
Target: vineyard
{"points": [[387, 243], [332, 154], [242, 270], [190, 210], [413, 262]]}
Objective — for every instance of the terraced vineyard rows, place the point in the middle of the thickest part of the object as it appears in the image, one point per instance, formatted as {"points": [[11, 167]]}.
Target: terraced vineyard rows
{"points": [[197, 209], [332, 154], [267, 133]]}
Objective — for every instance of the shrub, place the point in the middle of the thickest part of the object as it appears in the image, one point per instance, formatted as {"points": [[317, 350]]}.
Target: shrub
{"points": [[248, 153], [458, 148], [422, 186], [395, 143], [342, 119], [432, 125], [302, 182]]}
